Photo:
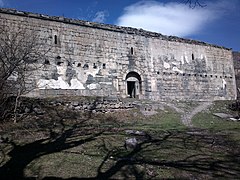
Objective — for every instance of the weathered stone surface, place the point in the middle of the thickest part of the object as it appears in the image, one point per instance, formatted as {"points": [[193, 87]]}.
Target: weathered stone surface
{"points": [[91, 59], [131, 143]]}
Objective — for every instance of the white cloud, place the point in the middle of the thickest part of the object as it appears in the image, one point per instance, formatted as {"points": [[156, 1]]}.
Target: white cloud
{"points": [[100, 16], [172, 18], [1, 3]]}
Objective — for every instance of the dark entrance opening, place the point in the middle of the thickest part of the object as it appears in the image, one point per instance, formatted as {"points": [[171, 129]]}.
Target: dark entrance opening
{"points": [[131, 89], [133, 85]]}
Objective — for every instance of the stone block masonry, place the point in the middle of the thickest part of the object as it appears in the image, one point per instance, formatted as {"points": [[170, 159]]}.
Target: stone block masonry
{"points": [[92, 59]]}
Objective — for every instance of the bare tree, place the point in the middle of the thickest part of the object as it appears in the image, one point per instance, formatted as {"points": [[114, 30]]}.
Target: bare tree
{"points": [[194, 3], [20, 49]]}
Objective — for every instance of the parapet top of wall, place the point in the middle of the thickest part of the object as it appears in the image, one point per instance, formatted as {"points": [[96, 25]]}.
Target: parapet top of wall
{"points": [[121, 29]]}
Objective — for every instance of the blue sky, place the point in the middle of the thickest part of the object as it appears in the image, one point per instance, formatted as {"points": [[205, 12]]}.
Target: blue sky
{"points": [[217, 23]]}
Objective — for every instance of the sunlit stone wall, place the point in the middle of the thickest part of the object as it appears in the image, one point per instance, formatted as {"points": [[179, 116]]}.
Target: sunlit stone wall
{"points": [[86, 58]]}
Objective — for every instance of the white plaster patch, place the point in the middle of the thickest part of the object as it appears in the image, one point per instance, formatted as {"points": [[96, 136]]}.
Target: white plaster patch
{"points": [[76, 84], [182, 60], [59, 84], [154, 84], [176, 63], [224, 84], [93, 72], [108, 83], [166, 65], [61, 70], [177, 70], [93, 86], [186, 59]]}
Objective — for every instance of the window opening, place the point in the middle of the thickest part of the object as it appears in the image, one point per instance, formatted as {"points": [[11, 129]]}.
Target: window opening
{"points": [[94, 66], [131, 89], [59, 63], [79, 65], [85, 66], [192, 56], [131, 50], [104, 66], [46, 62], [55, 39]]}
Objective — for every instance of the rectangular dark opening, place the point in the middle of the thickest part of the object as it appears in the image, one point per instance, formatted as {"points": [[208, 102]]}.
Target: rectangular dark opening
{"points": [[55, 39], [131, 89], [104, 66], [131, 50]]}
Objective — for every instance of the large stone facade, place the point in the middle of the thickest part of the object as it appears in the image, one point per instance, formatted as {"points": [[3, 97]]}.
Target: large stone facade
{"points": [[236, 61], [88, 58]]}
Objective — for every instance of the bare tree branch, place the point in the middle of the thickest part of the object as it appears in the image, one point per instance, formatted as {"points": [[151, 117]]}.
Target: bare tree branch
{"points": [[194, 3], [21, 48]]}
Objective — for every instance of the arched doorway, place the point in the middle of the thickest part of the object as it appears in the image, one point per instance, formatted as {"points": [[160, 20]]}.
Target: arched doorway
{"points": [[133, 82]]}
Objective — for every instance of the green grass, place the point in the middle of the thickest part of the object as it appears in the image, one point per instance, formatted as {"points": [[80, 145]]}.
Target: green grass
{"points": [[206, 120], [79, 145]]}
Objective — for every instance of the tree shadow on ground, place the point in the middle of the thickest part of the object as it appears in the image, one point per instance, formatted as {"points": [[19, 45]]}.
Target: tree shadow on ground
{"points": [[198, 165], [22, 155], [58, 139], [199, 154]]}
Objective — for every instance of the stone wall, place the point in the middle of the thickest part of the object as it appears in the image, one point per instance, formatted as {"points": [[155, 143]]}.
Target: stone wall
{"points": [[87, 58], [236, 61]]}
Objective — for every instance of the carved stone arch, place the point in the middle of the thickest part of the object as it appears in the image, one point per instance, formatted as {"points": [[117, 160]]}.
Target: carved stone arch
{"points": [[133, 84], [138, 71]]}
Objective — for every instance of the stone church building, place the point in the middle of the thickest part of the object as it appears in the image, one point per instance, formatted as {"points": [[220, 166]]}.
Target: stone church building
{"points": [[93, 59]]}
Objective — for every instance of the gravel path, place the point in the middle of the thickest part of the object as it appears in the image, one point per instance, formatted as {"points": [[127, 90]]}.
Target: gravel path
{"points": [[187, 116]]}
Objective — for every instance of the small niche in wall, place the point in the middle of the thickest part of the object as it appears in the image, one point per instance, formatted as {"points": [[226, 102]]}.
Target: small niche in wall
{"points": [[192, 56], [104, 66], [79, 65], [94, 66], [211, 75], [47, 62], [55, 39], [85, 67], [158, 72], [131, 50], [59, 63]]}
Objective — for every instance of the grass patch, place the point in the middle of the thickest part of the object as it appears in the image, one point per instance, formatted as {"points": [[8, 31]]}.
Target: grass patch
{"points": [[71, 144]]}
